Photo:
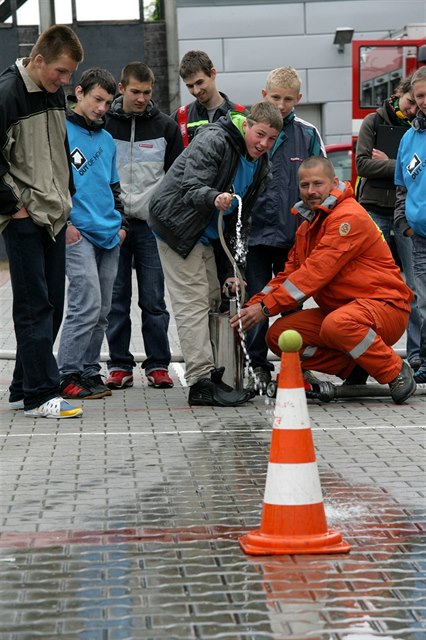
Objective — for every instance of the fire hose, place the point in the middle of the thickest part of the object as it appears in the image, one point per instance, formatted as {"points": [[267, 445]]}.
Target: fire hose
{"points": [[325, 391]]}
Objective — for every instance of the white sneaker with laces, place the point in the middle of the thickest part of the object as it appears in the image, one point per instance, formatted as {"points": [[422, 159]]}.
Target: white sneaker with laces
{"points": [[54, 408]]}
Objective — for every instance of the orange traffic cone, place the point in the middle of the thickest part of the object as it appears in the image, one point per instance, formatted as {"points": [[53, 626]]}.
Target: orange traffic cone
{"points": [[293, 517]]}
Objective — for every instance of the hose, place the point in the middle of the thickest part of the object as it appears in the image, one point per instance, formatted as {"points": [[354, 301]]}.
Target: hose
{"points": [[231, 258]]}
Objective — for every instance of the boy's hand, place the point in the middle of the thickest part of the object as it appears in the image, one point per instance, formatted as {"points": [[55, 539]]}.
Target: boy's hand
{"points": [[231, 286], [22, 213], [223, 201], [72, 235]]}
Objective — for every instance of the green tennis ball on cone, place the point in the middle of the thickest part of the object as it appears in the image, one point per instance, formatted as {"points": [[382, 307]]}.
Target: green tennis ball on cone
{"points": [[290, 340]]}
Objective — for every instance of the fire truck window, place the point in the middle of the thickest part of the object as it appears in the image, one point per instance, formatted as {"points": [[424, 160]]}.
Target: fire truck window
{"points": [[381, 69]]}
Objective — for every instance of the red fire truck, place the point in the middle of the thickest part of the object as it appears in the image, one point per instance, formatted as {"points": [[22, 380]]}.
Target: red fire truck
{"points": [[377, 68]]}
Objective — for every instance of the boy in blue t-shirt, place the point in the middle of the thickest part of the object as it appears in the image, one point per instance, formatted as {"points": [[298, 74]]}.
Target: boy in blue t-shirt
{"points": [[410, 206], [96, 229]]}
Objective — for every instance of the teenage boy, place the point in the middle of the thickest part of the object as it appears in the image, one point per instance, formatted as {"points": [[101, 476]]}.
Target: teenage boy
{"points": [[94, 232], [148, 142], [229, 155], [199, 75], [340, 259], [273, 225], [410, 208], [34, 206]]}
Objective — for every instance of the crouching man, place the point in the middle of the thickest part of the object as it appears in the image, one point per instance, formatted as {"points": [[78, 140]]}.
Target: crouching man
{"points": [[342, 261]]}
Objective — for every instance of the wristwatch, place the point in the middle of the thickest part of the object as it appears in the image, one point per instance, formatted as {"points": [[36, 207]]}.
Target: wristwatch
{"points": [[265, 310]]}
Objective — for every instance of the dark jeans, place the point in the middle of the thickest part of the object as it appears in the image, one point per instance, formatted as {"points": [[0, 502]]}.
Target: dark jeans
{"points": [[404, 247], [262, 263], [140, 247], [37, 273]]}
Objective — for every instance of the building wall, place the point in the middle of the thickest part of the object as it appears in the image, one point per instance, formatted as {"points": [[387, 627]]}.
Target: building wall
{"points": [[245, 40]]}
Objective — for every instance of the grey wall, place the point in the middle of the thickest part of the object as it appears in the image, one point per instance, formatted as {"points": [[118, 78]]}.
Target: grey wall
{"points": [[246, 40]]}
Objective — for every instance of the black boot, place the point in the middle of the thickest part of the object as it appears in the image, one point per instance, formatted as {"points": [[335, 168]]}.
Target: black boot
{"points": [[214, 392], [404, 385], [358, 375]]}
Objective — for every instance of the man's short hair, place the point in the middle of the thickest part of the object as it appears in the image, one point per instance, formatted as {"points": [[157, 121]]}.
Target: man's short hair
{"points": [[137, 70], [315, 161], [95, 76], [57, 41], [284, 78], [194, 62], [266, 113]]}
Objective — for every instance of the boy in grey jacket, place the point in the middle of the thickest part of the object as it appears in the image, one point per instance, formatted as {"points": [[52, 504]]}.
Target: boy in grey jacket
{"points": [[224, 158]]}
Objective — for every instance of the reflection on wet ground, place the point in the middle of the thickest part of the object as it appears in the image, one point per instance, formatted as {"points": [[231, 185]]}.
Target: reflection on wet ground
{"points": [[125, 525]]}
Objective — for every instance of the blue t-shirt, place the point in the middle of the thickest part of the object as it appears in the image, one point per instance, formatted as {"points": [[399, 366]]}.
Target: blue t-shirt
{"points": [[94, 170], [410, 172], [243, 178]]}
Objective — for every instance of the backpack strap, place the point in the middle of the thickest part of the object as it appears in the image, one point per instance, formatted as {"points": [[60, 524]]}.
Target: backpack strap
{"points": [[182, 119]]}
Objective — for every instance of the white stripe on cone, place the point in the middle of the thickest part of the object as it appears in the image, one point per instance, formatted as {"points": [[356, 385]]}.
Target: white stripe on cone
{"points": [[293, 484], [291, 410]]}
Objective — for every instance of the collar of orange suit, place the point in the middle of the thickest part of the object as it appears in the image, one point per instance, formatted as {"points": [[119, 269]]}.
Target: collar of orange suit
{"points": [[342, 191]]}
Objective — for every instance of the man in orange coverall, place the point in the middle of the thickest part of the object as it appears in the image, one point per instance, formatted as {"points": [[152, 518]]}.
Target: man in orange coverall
{"points": [[342, 261]]}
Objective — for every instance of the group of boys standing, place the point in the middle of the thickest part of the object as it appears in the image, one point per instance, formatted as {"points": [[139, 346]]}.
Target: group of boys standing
{"points": [[146, 191]]}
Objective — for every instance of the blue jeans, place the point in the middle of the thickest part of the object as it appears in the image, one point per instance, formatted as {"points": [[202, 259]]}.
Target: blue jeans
{"points": [[262, 263], [140, 247], [37, 273], [419, 263], [404, 247], [91, 273]]}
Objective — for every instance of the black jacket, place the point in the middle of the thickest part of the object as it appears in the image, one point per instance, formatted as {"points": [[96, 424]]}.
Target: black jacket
{"points": [[183, 204], [197, 115], [376, 190]]}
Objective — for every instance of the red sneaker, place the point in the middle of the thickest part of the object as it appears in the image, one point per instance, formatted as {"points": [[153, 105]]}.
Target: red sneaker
{"points": [[119, 379], [160, 379]]}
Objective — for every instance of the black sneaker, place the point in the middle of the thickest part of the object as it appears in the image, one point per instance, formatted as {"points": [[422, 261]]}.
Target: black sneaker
{"points": [[420, 375], [216, 393], [96, 386], [72, 387], [415, 363], [404, 385], [259, 382]]}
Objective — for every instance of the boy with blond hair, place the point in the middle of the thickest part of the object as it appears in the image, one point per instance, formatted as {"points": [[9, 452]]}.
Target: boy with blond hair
{"points": [[273, 225]]}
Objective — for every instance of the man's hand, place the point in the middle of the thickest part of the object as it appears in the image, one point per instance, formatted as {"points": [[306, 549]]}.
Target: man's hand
{"points": [[250, 316], [122, 233]]}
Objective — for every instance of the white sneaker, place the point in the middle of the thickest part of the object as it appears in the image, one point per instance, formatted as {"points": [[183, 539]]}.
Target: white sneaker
{"points": [[16, 404], [54, 408]]}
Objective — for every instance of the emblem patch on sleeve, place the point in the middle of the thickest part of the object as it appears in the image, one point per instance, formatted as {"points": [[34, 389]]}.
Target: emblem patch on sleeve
{"points": [[344, 228]]}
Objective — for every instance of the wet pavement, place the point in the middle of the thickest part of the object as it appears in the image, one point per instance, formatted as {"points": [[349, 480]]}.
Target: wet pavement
{"points": [[124, 524]]}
